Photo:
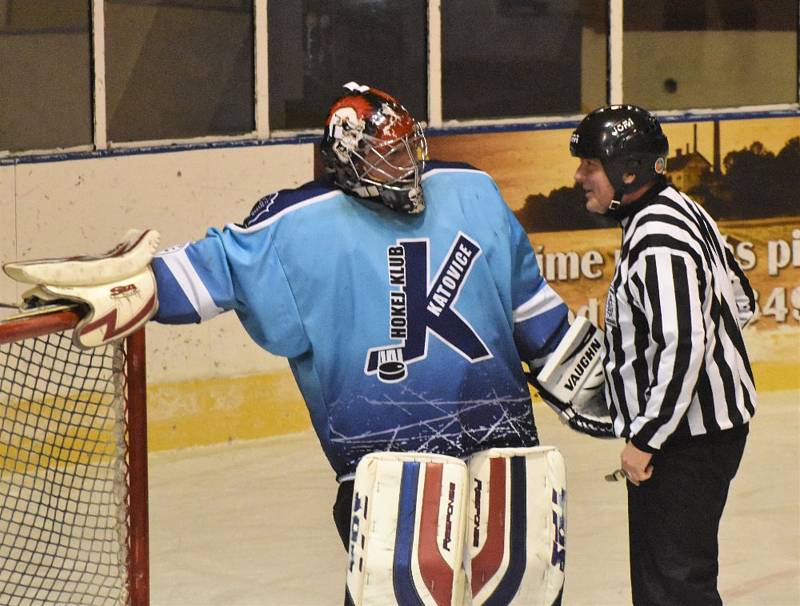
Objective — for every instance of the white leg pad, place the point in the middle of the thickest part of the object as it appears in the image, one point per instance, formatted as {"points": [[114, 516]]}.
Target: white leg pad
{"points": [[407, 530], [516, 523]]}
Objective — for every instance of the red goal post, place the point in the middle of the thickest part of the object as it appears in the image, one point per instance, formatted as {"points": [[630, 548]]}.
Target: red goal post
{"points": [[73, 466]]}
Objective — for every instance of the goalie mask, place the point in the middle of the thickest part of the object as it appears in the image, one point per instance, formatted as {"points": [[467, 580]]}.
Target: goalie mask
{"points": [[626, 139], [375, 149]]}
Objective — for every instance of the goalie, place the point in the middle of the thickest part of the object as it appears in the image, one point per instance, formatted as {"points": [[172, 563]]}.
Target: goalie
{"points": [[405, 295]]}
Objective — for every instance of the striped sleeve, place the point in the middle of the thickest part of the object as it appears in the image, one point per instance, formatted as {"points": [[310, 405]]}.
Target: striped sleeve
{"points": [[742, 291], [672, 305]]}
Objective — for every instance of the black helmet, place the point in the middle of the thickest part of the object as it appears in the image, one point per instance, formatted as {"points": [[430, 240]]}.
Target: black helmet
{"points": [[375, 149], [626, 139]]}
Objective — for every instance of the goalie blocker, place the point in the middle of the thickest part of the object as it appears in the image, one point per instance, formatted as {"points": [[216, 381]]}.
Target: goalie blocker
{"points": [[116, 290], [572, 381], [430, 529]]}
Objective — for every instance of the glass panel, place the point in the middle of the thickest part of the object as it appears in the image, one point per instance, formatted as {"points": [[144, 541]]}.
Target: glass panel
{"points": [[315, 46], [45, 75], [179, 68], [680, 54], [523, 57]]}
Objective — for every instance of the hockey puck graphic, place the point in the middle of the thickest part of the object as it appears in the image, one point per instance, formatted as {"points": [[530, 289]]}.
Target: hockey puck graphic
{"points": [[392, 371]]}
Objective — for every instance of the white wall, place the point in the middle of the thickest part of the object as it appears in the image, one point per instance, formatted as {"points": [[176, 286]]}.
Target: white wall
{"points": [[721, 68], [55, 209]]}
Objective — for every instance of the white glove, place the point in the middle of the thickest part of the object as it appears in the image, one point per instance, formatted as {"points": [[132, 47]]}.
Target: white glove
{"points": [[117, 290]]}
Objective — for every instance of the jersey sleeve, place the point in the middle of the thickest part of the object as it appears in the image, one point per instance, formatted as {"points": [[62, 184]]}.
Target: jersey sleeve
{"points": [[742, 291], [671, 301], [231, 269], [187, 276], [539, 313]]}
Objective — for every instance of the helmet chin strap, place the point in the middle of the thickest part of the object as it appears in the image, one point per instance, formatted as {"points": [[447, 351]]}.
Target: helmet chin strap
{"points": [[616, 202]]}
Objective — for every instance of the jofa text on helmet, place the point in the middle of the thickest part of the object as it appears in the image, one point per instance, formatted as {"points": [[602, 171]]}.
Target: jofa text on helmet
{"points": [[621, 127]]}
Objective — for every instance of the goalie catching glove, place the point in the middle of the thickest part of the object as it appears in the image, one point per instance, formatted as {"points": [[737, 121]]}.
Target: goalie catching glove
{"points": [[572, 382], [116, 291]]}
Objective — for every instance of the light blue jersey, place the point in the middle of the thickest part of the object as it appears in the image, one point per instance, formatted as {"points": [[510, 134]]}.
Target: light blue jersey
{"points": [[404, 332]]}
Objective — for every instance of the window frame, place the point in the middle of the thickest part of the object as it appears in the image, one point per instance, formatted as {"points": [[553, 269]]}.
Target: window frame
{"points": [[436, 125]]}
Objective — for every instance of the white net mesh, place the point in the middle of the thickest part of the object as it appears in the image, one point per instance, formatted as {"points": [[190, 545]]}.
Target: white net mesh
{"points": [[63, 471]]}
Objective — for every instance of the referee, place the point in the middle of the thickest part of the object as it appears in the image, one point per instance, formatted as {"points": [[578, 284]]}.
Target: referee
{"points": [[677, 374]]}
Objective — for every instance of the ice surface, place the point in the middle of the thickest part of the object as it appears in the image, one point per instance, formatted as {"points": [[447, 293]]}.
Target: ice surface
{"points": [[249, 524]]}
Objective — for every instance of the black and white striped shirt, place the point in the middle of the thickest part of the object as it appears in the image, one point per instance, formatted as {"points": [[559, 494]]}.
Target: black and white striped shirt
{"points": [[675, 360]]}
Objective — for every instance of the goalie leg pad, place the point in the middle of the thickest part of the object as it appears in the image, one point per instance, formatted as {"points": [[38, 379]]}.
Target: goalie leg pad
{"points": [[516, 527], [407, 530]]}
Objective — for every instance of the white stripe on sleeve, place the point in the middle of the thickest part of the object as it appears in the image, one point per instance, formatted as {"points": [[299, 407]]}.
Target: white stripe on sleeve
{"points": [[192, 286], [543, 301]]}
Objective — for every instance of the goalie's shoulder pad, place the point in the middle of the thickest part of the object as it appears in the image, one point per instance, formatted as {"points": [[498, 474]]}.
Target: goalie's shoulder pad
{"points": [[126, 259]]}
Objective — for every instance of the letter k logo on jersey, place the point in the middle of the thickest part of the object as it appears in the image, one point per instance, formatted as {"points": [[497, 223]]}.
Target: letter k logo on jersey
{"points": [[417, 307]]}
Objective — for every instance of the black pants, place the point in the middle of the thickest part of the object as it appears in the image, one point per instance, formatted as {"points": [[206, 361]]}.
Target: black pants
{"points": [[341, 517], [673, 521]]}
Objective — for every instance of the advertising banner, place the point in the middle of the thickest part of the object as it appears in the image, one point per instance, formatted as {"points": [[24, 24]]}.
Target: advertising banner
{"points": [[745, 172]]}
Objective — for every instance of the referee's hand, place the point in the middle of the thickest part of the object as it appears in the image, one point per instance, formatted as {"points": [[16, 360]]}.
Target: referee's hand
{"points": [[635, 464]]}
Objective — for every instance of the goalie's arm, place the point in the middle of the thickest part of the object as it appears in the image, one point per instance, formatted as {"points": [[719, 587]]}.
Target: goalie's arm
{"points": [[234, 270], [194, 282], [545, 340]]}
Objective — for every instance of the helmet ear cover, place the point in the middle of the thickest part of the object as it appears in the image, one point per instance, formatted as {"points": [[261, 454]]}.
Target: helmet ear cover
{"points": [[644, 168]]}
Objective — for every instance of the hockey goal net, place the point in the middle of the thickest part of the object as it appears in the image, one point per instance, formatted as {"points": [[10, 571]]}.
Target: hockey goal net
{"points": [[73, 467]]}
